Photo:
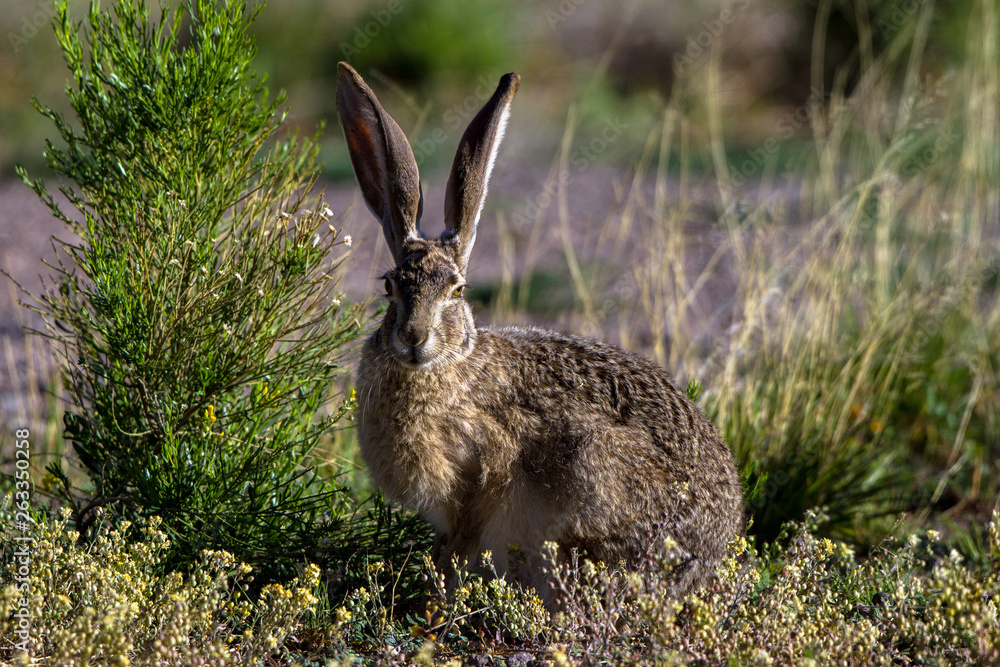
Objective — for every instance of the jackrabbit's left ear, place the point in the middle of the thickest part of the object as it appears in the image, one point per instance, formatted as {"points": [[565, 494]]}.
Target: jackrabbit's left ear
{"points": [[470, 173], [382, 159]]}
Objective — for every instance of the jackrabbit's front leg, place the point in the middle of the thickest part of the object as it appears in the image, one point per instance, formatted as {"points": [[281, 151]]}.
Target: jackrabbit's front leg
{"points": [[453, 552]]}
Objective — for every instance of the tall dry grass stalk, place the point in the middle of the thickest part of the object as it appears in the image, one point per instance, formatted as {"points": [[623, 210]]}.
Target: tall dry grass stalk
{"points": [[845, 321]]}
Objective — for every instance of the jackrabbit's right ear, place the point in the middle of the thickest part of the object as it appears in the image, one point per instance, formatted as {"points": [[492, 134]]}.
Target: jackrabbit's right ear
{"points": [[382, 159], [470, 173]]}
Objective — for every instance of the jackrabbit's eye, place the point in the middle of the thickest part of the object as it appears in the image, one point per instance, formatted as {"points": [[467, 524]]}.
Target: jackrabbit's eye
{"points": [[457, 292], [388, 287]]}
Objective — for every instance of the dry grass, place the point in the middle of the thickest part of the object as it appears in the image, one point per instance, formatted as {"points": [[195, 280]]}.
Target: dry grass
{"points": [[841, 312]]}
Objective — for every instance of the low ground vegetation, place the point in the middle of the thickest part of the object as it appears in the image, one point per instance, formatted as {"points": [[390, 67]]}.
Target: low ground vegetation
{"points": [[807, 600]]}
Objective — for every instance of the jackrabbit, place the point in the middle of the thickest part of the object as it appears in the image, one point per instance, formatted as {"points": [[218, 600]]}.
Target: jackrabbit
{"points": [[516, 436]]}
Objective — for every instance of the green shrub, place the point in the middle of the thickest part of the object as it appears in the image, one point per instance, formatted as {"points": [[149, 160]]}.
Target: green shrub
{"points": [[198, 314]]}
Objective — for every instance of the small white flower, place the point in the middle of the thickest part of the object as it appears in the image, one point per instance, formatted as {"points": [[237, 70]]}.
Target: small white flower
{"points": [[335, 301], [283, 215], [333, 230], [316, 241], [239, 277], [348, 240], [204, 270], [260, 292], [227, 329], [326, 212], [174, 261]]}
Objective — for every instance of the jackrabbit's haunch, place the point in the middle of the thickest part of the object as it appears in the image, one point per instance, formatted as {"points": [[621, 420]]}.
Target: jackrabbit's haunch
{"points": [[504, 435]]}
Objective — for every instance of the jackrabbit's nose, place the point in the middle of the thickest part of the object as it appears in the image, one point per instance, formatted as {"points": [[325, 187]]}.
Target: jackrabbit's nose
{"points": [[411, 336]]}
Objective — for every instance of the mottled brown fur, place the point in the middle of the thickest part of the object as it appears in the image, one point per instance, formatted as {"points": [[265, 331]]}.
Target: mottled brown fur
{"points": [[510, 435]]}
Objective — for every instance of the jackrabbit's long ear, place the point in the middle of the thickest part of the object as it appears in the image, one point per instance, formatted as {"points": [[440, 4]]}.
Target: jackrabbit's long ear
{"points": [[470, 174], [382, 159]]}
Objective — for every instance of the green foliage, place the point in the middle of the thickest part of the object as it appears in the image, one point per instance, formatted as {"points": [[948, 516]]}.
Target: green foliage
{"points": [[421, 42], [198, 314], [693, 389]]}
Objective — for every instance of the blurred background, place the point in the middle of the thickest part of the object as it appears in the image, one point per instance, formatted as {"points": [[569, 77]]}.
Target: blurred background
{"points": [[433, 62], [598, 75]]}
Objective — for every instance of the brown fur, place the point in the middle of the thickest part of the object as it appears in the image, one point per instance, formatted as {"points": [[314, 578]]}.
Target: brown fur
{"points": [[506, 435]]}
